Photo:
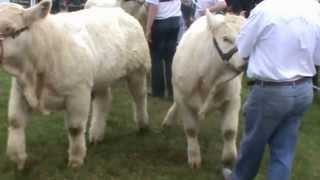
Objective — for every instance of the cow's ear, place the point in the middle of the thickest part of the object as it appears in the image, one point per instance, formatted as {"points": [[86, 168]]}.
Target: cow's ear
{"points": [[39, 11], [214, 20]]}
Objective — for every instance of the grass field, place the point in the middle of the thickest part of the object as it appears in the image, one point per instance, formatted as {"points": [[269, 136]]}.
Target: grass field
{"points": [[127, 155]]}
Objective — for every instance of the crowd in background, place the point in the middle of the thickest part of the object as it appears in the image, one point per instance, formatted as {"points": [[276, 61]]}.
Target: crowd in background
{"points": [[165, 28]]}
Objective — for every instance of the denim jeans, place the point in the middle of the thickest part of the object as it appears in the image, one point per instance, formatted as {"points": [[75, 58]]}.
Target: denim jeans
{"points": [[273, 116], [164, 37]]}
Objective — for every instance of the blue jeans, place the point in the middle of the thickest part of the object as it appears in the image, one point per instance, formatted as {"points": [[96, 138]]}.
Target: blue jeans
{"points": [[273, 117], [164, 38]]}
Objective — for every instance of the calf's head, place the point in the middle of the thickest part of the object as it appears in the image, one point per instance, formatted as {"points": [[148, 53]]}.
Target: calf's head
{"points": [[224, 31], [14, 22]]}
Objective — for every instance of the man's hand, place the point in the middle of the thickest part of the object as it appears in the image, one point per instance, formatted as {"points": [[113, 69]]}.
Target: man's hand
{"points": [[148, 35], [152, 12]]}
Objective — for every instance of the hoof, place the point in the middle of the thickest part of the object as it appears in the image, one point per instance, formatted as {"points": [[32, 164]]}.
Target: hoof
{"points": [[144, 130], [75, 164], [95, 138], [195, 164], [202, 116], [226, 173], [166, 125], [21, 165], [17, 157]]}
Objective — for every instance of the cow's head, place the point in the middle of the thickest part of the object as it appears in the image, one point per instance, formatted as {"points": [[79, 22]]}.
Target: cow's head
{"points": [[225, 30], [14, 22]]}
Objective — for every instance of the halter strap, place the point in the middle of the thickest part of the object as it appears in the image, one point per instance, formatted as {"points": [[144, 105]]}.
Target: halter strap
{"points": [[227, 56]]}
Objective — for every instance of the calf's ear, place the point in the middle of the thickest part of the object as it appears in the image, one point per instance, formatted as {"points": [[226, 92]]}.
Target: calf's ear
{"points": [[39, 11], [214, 20]]}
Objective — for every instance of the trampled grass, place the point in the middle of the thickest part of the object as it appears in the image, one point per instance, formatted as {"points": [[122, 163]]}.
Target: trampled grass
{"points": [[127, 155]]}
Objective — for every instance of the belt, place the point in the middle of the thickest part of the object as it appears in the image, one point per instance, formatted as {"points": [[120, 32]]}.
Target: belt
{"points": [[283, 83]]}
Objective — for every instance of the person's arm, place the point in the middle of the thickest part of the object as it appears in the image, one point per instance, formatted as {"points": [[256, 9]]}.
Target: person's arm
{"points": [[219, 6], [316, 55], [151, 14], [250, 34]]}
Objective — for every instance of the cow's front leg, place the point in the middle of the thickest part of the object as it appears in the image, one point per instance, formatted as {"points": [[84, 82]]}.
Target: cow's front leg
{"points": [[78, 107], [191, 128], [230, 112], [19, 113], [28, 82]]}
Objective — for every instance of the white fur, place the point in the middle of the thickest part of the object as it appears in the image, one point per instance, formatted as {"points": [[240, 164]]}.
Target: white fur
{"points": [[101, 3], [201, 81], [134, 7], [65, 61]]}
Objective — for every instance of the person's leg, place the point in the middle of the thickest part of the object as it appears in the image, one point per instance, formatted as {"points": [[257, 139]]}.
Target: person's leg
{"points": [[156, 48], [253, 142], [264, 109], [171, 44], [283, 141]]}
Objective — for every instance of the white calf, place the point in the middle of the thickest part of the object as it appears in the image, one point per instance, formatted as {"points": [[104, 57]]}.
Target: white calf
{"points": [[65, 62], [205, 73]]}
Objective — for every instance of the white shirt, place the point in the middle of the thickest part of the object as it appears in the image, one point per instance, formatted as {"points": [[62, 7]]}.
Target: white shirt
{"points": [[202, 5], [282, 39], [171, 8]]}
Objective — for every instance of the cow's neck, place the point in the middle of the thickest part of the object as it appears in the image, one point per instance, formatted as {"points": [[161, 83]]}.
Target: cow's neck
{"points": [[46, 43]]}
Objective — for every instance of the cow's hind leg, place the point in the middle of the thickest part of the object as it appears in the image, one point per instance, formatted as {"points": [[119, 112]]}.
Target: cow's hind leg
{"points": [[171, 116], [78, 106], [230, 112], [138, 89], [101, 106], [191, 127], [19, 113]]}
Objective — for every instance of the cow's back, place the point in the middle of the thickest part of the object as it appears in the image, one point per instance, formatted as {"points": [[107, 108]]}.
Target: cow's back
{"points": [[113, 40]]}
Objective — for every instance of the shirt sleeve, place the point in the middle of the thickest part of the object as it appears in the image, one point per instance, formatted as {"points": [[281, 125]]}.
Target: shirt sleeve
{"points": [[156, 2], [250, 33]]}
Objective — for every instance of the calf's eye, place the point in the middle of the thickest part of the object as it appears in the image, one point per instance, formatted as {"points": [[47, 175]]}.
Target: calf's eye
{"points": [[227, 39], [8, 30]]}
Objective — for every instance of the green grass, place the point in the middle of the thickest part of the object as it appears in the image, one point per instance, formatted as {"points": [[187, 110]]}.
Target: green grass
{"points": [[127, 155]]}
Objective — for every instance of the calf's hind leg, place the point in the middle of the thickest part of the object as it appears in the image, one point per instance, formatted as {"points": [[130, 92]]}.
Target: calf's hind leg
{"points": [[101, 106], [19, 113], [138, 89]]}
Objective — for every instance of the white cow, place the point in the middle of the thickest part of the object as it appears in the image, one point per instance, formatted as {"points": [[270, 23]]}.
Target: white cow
{"points": [[205, 74], [64, 62]]}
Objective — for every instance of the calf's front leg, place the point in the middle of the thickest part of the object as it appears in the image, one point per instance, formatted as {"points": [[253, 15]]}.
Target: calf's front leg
{"points": [[19, 113], [230, 112], [191, 129]]}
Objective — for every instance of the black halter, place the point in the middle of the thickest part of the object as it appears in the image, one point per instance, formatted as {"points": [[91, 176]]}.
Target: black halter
{"points": [[18, 32], [227, 56]]}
